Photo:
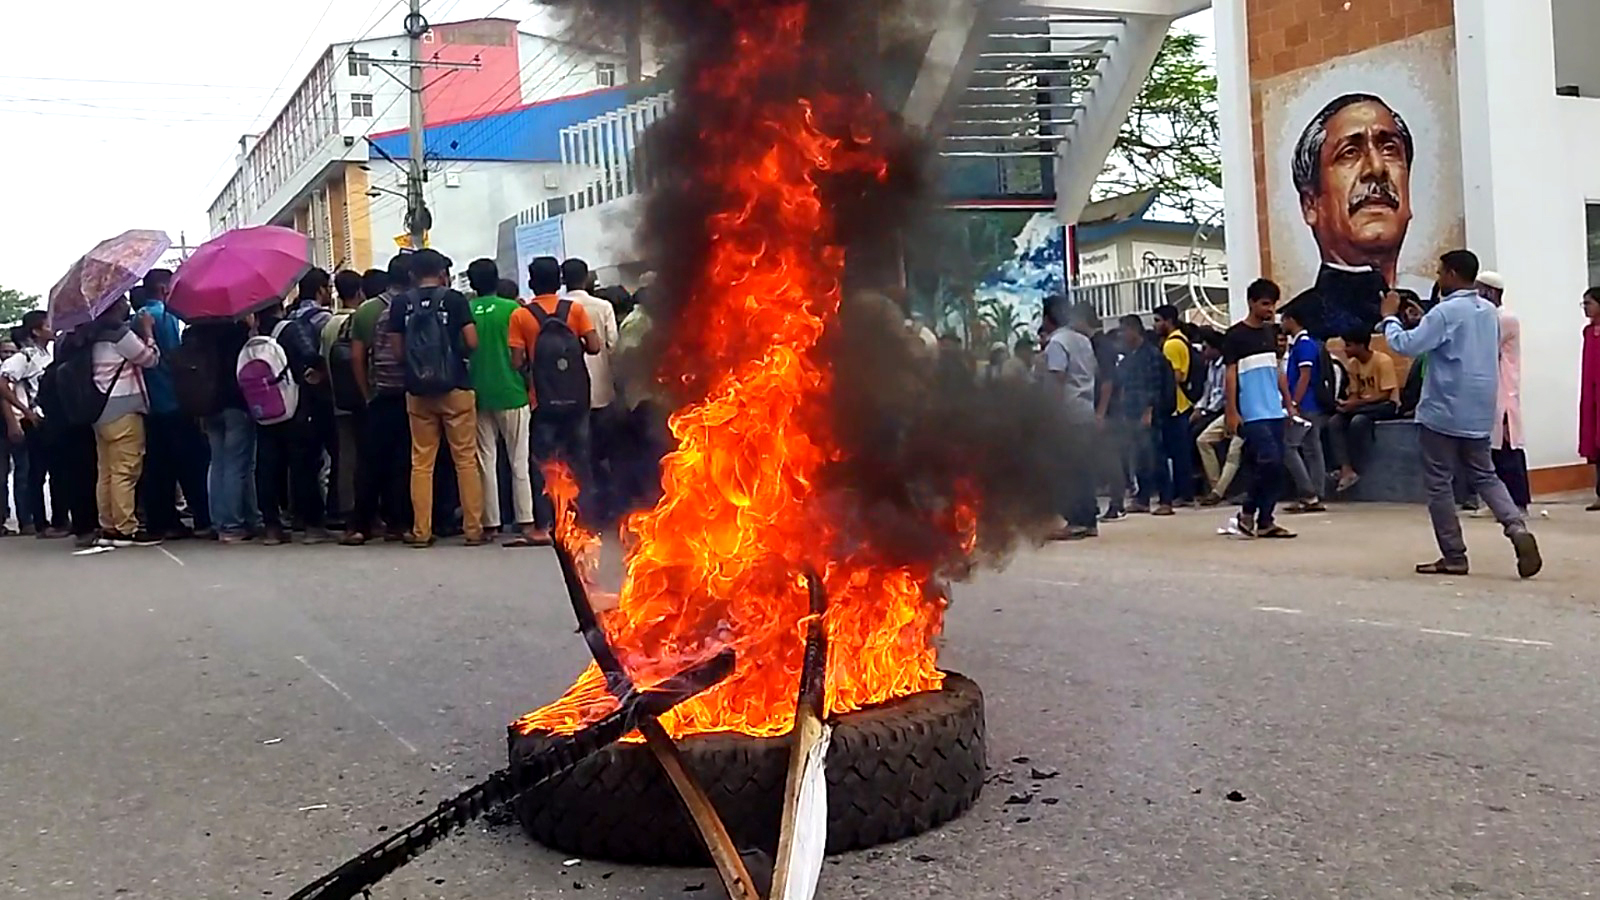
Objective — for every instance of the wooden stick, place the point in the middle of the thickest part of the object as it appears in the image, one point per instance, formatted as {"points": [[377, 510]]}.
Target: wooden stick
{"points": [[809, 730], [713, 833]]}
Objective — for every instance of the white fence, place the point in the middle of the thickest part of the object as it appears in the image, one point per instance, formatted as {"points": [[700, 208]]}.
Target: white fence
{"points": [[1137, 292]]}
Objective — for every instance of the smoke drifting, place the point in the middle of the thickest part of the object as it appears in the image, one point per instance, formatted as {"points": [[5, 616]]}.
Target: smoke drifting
{"points": [[918, 436]]}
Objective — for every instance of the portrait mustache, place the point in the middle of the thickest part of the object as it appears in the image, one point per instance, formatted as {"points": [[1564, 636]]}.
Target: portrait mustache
{"points": [[1379, 190]]}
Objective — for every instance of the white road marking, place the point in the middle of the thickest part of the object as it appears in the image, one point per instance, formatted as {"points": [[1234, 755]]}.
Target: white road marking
{"points": [[1372, 622], [170, 555], [1049, 582], [1521, 642], [1280, 609], [1445, 632], [352, 701]]}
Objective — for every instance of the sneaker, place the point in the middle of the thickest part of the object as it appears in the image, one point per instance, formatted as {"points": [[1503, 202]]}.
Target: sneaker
{"points": [[1457, 568], [86, 541], [144, 539], [1529, 562], [1113, 515], [113, 539]]}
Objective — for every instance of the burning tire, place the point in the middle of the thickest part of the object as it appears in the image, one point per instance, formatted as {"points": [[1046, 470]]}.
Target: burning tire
{"points": [[893, 772]]}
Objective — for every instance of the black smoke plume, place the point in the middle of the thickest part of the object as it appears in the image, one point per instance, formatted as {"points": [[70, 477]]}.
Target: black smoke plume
{"points": [[919, 433]]}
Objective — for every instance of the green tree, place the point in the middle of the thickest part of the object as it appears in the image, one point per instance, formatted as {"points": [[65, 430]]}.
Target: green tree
{"points": [[1171, 141], [14, 303]]}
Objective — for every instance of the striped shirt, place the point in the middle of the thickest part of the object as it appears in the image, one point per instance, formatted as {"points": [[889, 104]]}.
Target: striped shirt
{"points": [[119, 371], [1254, 350]]}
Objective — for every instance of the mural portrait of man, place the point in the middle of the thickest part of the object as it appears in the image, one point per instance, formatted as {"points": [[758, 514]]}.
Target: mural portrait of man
{"points": [[1352, 173]]}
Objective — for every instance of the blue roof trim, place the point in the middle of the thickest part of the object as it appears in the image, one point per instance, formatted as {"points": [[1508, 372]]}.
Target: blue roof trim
{"points": [[527, 134]]}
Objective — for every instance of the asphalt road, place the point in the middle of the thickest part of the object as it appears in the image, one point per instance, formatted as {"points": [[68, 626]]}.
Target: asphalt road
{"points": [[232, 721]]}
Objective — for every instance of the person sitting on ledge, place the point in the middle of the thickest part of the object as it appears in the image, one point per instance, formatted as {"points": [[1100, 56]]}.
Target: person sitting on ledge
{"points": [[1374, 397]]}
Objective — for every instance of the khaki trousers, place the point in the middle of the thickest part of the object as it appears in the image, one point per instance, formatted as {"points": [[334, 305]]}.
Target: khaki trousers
{"points": [[119, 454], [453, 416]]}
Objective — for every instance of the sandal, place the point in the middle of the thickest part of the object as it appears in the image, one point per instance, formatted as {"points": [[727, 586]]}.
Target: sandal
{"points": [[1443, 567], [1276, 532]]}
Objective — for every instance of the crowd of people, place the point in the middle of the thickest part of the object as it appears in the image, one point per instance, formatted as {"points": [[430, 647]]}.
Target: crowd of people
{"points": [[387, 404], [1295, 416]]}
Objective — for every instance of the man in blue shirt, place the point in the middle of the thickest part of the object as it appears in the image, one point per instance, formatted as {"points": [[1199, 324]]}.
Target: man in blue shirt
{"points": [[1258, 403], [1461, 336], [176, 452], [1304, 458]]}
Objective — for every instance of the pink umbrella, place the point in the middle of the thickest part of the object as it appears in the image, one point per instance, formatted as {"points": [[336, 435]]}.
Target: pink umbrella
{"points": [[238, 272], [102, 276]]}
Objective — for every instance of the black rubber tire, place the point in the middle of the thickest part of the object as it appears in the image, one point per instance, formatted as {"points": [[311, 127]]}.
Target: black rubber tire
{"points": [[893, 772]]}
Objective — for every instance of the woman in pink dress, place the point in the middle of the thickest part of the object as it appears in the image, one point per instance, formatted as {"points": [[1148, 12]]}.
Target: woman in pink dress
{"points": [[1589, 402]]}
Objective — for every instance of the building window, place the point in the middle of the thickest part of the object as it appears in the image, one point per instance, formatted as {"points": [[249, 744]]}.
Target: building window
{"points": [[605, 74], [1593, 217], [360, 64], [360, 106]]}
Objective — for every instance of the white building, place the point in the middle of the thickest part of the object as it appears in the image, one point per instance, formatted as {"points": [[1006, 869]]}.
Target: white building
{"points": [[491, 141]]}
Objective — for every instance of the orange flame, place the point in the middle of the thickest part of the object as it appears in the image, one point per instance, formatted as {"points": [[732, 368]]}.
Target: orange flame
{"points": [[717, 563]]}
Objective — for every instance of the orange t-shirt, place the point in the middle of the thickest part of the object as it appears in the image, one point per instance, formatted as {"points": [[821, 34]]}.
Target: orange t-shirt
{"points": [[525, 326]]}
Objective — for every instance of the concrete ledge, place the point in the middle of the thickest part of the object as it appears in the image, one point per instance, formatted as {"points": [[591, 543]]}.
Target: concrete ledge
{"points": [[1393, 469]]}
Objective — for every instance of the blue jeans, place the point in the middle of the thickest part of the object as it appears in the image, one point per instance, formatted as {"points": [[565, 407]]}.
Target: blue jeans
{"points": [[232, 435], [1263, 451], [1175, 447], [14, 458]]}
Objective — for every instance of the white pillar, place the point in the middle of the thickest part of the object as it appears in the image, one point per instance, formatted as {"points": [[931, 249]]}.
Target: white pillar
{"points": [[1238, 152], [1526, 177]]}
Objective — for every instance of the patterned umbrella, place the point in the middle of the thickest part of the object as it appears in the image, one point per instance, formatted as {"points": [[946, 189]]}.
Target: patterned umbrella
{"points": [[102, 276], [238, 272]]}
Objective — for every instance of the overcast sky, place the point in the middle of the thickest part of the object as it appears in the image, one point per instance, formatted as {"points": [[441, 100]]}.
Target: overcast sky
{"points": [[134, 122]]}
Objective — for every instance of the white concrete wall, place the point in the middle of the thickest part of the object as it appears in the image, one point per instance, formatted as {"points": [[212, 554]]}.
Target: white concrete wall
{"points": [[1528, 170], [552, 68], [466, 219], [1577, 33], [1238, 151]]}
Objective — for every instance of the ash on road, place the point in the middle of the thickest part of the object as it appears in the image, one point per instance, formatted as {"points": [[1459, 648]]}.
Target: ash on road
{"points": [[1171, 715]]}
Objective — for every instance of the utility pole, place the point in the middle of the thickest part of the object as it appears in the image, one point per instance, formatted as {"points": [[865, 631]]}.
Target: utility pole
{"points": [[418, 219]]}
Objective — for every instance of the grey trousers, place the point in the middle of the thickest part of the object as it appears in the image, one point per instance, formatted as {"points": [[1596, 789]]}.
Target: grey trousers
{"points": [[1442, 457], [1305, 459]]}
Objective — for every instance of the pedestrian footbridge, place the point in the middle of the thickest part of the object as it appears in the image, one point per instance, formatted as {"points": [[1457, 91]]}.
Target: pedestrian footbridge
{"points": [[1021, 98]]}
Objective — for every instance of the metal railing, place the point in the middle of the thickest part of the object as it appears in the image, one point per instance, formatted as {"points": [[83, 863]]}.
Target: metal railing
{"points": [[1137, 291]]}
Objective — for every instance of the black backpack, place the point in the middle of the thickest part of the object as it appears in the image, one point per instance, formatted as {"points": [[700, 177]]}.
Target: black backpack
{"points": [[1194, 384], [433, 364], [1332, 380], [1167, 396], [559, 375], [196, 378], [71, 387], [341, 369]]}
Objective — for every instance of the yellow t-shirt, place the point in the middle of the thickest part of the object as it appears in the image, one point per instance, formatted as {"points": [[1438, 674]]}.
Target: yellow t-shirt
{"points": [[1176, 350], [1375, 379]]}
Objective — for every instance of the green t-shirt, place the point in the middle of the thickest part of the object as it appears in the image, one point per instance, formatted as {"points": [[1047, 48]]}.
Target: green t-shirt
{"points": [[498, 385], [366, 324]]}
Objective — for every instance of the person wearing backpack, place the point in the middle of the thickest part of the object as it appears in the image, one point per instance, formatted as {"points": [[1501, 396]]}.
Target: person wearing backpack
{"points": [[1172, 430], [176, 454], [604, 412], [503, 414], [431, 328], [337, 340], [120, 349], [204, 375], [383, 449], [33, 450], [1307, 373], [279, 364], [551, 337], [311, 311]]}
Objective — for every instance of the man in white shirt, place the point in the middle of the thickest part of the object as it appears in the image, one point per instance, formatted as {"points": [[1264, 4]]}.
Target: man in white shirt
{"points": [[19, 393], [603, 424]]}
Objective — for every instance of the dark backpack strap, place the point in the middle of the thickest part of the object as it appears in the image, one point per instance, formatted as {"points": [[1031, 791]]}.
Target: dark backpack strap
{"points": [[540, 314], [563, 309]]}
